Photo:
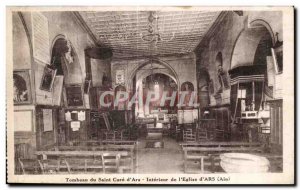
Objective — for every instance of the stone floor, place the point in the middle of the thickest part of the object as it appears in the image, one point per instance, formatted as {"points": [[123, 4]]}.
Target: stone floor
{"points": [[160, 160]]}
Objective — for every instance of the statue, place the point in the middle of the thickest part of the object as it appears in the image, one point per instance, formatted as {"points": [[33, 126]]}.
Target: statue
{"points": [[68, 54], [222, 77]]}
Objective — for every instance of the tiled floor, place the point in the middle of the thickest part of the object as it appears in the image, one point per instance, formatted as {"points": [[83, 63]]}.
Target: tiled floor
{"points": [[160, 160]]}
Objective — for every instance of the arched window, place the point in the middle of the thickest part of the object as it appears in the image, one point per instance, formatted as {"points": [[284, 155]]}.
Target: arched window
{"points": [[65, 60], [62, 51], [187, 86]]}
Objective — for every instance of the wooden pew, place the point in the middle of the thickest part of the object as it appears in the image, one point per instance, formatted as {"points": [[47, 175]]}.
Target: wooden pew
{"points": [[30, 166], [128, 162], [54, 166], [220, 144], [102, 142], [112, 145], [119, 142], [206, 154], [111, 162], [82, 159], [130, 146]]}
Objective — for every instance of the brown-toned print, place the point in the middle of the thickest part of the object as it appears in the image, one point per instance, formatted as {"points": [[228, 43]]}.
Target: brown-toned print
{"points": [[150, 95]]}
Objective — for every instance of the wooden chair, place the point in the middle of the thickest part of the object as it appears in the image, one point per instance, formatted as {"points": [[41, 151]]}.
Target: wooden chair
{"points": [[125, 134], [118, 135], [210, 134], [30, 166], [219, 135], [209, 125], [110, 135], [178, 133], [173, 130], [111, 162], [189, 135], [202, 134], [54, 166]]}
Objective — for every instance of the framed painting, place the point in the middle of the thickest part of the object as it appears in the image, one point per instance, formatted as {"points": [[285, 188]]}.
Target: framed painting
{"points": [[48, 78], [74, 95], [22, 88]]}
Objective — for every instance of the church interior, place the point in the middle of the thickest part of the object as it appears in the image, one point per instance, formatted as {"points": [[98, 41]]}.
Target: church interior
{"points": [[147, 91]]}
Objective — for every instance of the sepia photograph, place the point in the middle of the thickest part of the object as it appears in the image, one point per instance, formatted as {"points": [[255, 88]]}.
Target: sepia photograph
{"points": [[48, 78], [150, 95]]}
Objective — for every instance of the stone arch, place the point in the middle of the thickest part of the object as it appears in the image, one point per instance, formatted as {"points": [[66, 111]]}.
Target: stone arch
{"points": [[147, 73], [261, 22], [246, 44], [120, 88], [156, 61], [187, 86], [68, 66], [233, 47], [166, 67]]}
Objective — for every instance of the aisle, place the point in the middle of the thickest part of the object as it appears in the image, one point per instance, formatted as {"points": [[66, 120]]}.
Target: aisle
{"points": [[160, 160]]}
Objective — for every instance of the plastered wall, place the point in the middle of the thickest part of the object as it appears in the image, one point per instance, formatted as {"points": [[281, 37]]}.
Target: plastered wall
{"points": [[60, 24]]}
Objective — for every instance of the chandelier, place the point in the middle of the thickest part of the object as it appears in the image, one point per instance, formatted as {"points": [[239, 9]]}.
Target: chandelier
{"points": [[152, 34]]}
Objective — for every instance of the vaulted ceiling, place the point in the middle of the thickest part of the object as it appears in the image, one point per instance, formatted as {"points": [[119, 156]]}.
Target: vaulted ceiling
{"points": [[122, 31]]}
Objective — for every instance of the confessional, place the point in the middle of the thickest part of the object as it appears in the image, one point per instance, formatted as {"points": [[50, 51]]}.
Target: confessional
{"points": [[248, 107]]}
